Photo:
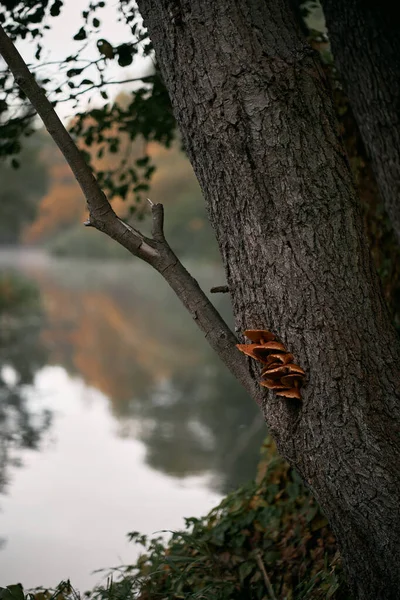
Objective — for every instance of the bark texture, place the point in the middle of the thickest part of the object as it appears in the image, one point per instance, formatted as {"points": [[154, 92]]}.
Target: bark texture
{"points": [[259, 127], [365, 40]]}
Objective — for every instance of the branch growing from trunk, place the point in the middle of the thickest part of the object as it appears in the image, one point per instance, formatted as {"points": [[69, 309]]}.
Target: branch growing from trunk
{"points": [[156, 250]]}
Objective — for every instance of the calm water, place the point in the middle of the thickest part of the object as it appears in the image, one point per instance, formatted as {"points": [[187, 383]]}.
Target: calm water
{"points": [[114, 415]]}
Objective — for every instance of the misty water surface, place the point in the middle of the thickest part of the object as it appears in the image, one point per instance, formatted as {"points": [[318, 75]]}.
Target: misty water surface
{"points": [[115, 415]]}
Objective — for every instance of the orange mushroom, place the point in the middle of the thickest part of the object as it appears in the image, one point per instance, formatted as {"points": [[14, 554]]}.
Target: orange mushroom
{"points": [[279, 373], [283, 358], [259, 336], [272, 384], [248, 349], [270, 366], [295, 369], [292, 380], [275, 372], [292, 393], [262, 352]]}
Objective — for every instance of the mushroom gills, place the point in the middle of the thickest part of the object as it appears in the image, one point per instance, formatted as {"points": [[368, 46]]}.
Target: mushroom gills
{"points": [[262, 352], [292, 393], [272, 384], [259, 336]]}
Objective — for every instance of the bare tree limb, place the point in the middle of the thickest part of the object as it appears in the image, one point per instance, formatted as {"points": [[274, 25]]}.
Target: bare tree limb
{"points": [[155, 251], [158, 222], [267, 581]]}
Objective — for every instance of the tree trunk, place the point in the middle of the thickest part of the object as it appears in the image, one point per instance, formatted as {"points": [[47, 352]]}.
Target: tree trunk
{"points": [[365, 40], [259, 127]]}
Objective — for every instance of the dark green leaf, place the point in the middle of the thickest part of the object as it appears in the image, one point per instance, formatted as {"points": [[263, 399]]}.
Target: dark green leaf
{"points": [[56, 8], [142, 162], [12, 592], [245, 569], [81, 35], [125, 55]]}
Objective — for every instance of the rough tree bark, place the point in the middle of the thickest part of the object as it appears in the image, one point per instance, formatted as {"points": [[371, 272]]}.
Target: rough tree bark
{"points": [[365, 40], [259, 127]]}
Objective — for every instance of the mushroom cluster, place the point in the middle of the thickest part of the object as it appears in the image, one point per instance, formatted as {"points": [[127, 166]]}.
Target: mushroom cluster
{"points": [[280, 373]]}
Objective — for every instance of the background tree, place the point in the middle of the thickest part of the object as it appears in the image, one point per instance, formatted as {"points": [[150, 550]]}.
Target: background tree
{"points": [[21, 190], [256, 117], [372, 81]]}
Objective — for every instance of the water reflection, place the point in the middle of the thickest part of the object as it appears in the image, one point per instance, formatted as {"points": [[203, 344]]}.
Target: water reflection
{"points": [[142, 410], [197, 421], [125, 333], [21, 355]]}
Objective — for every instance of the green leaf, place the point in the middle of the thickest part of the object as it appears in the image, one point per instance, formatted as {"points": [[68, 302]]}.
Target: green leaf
{"points": [[81, 35], [105, 48], [245, 569], [73, 72], [142, 162], [318, 522], [56, 8], [124, 55], [12, 592], [142, 187]]}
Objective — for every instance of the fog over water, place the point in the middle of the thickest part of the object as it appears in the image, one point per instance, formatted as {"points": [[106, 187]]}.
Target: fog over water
{"points": [[116, 416]]}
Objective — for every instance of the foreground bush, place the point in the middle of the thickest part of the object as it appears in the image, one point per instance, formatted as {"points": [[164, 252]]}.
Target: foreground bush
{"points": [[267, 540]]}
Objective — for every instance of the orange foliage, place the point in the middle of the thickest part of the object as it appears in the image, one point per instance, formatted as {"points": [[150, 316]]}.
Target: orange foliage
{"points": [[64, 204], [98, 335]]}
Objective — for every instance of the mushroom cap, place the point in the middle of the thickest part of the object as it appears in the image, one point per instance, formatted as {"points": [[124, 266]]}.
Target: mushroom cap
{"points": [[282, 358], [264, 350], [256, 335], [292, 393], [272, 384], [295, 369], [248, 349], [275, 372], [292, 380], [270, 366]]}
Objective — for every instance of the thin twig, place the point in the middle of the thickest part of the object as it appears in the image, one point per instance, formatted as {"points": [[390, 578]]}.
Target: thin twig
{"points": [[158, 222], [99, 85], [220, 289], [267, 581]]}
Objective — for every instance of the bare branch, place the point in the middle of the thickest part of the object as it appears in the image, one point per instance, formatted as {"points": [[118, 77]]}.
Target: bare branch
{"points": [[156, 251], [101, 213], [157, 231], [98, 86], [267, 581]]}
